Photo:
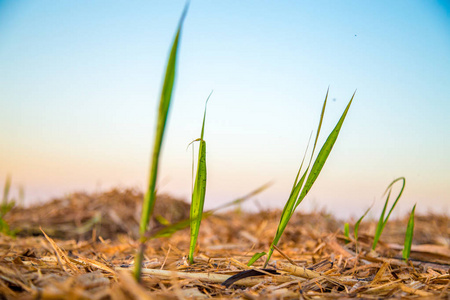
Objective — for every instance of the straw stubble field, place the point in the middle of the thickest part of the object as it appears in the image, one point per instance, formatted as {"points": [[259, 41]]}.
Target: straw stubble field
{"points": [[83, 247]]}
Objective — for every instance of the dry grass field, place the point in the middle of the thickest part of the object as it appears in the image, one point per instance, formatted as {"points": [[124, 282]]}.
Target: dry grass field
{"points": [[90, 242]]}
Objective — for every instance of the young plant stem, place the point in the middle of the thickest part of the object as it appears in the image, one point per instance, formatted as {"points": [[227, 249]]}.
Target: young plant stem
{"points": [[355, 230], [199, 191], [164, 105]]}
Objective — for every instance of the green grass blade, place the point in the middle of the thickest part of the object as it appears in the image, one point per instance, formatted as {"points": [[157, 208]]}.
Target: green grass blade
{"points": [[296, 182], [409, 235], [383, 220], [294, 198], [244, 198], [6, 189], [297, 185], [320, 124], [323, 154], [355, 231], [347, 233], [161, 220], [288, 210], [289, 207], [5, 207], [164, 104], [255, 257], [380, 223], [204, 116], [398, 197], [198, 195], [198, 199]]}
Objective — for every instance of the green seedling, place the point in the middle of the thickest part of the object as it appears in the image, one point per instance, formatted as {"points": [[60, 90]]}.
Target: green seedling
{"points": [[6, 206], [161, 220], [300, 189], [355, 231], [409, 235], [6, 189], [255, 257], [199, 191], [382, 221], [164, 104], [347, 233]]}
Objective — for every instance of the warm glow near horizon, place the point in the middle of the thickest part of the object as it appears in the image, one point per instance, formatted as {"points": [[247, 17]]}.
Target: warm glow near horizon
{"points": [[80, 81]]}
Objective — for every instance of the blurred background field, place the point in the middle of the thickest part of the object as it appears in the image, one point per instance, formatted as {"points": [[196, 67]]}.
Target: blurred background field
{"points": [[117, 212]]}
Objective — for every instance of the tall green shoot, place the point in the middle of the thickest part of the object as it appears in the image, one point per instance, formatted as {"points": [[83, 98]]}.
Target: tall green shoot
{"points": [[199, 191], [409, 235], [300, 189], [164, 104], [382, 221]]}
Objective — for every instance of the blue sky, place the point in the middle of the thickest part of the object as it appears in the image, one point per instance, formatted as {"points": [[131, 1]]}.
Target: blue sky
{"points": [[80, 80]]}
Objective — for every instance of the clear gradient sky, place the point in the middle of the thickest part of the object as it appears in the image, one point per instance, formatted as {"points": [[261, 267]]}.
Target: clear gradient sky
{"points": [[80, 82]]}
